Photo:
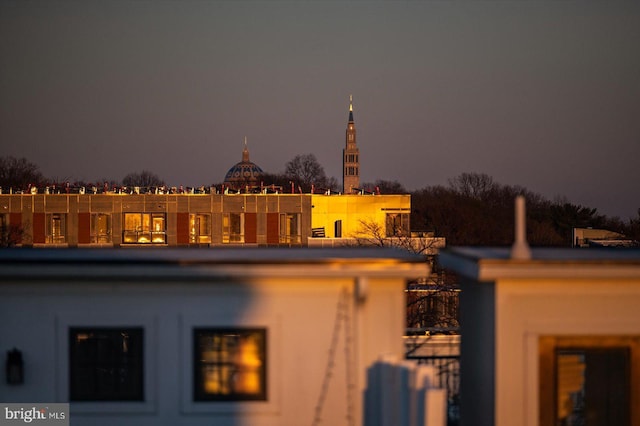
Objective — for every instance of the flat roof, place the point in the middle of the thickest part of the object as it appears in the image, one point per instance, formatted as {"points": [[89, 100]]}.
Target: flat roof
{"points": [[158, 263], [491, 263]]}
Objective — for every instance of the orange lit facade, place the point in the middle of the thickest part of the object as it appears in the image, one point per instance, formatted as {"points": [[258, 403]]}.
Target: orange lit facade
{"points": [[69, 220], [112, 220]]}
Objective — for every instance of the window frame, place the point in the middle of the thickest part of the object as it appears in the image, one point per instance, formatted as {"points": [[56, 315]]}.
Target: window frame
{"points": [[548, 347], [93, 317], [196, 236], [113, 362], [146, 231], [286, 234], [228, 234], [397, 224], [199, 394], [96, 237], [224, 317], [55, 234]]}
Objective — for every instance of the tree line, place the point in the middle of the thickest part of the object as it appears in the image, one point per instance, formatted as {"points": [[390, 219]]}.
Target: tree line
{"points": [[21, 174], [303, 172], [473, 209]]}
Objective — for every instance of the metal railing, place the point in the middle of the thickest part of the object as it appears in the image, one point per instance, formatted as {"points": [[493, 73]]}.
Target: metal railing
{"points": [[448, 377]]}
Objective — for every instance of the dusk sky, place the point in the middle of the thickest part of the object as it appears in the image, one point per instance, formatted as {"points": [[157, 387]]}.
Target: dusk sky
{"points": [[545, 95]]}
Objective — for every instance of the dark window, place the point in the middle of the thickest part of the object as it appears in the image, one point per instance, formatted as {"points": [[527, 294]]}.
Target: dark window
{"points": [[105, 364], [230, 364], [397, 225], [593, 386], [589, 380]]}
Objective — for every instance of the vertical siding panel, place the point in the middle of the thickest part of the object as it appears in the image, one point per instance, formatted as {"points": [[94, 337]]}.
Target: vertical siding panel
{"points": [[38, 228], [15, 221], [273, 231], [250, 228], [84, 228], [182, 228]]}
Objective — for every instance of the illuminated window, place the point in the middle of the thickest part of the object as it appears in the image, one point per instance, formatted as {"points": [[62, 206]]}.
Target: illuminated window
{"points": [[589, 380], [233, 228], [56, 228], [105, 364], [290, 228], [200, 228], [397, 224], [100, 228], [144, 228], [230, 364]]}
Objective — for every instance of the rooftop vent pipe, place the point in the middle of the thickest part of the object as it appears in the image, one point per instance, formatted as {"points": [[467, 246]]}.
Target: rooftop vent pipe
{"points": [[520, 249]]}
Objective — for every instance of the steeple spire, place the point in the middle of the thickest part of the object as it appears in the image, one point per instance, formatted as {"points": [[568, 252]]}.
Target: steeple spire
{"points": [[350, 108]]}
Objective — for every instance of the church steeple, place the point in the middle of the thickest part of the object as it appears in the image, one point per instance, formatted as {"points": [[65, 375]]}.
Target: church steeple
{"points": [[350, 156]]}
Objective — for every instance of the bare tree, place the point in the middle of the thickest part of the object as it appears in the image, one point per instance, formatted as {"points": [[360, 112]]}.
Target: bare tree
{"points": [[432, 301], [10, 235], [143, 179], [473, 210], [632, 228], [473, 185], [372, 233], [305, 171], [386, 186], [19, 173]]}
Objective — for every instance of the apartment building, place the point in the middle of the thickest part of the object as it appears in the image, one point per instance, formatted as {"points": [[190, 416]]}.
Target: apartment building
{"points": [[206, 219]]}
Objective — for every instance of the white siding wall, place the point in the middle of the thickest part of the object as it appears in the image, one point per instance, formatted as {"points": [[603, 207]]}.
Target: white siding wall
{"points": [[299, 313]]}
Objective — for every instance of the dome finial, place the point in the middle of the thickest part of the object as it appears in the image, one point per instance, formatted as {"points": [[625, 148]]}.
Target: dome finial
{"points": [[245, 151]]}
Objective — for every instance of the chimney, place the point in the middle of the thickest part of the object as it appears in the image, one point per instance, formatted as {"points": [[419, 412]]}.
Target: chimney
{"points": [[520, 249]]}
